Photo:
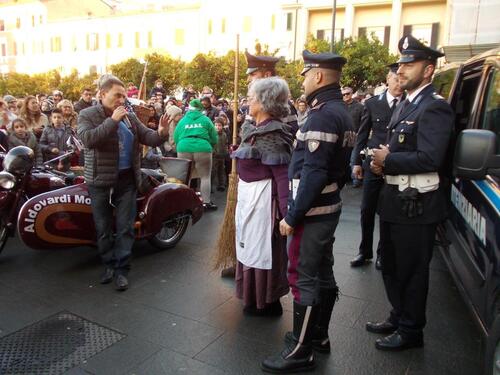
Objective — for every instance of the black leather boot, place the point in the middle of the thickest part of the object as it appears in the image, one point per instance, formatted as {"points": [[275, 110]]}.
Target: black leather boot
{"points": [[297, 355], [320, 339]]}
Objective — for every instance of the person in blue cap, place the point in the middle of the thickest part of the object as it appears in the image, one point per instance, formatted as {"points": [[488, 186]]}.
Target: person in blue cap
{"points": [[316, 174], [413, 199], [372, 132]]}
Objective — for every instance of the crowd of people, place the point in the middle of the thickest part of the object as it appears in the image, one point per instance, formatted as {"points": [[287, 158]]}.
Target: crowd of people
{"points": [[293, 158]]}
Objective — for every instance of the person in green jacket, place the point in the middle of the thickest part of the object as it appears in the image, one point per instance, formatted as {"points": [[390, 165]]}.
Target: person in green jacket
{"points": [[195, 137]]}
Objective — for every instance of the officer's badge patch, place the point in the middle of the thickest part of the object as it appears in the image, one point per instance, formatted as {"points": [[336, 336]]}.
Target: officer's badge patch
{"points": [[401, 138], [312, 145]]}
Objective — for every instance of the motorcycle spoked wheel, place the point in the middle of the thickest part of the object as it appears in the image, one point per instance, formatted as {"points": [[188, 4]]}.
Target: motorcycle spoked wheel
{"points": [[4, 234], [171, 232]]}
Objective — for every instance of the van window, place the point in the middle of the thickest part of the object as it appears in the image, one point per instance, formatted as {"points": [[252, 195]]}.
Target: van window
{"points": [[465, 99], [443, 82], [491, 114]]}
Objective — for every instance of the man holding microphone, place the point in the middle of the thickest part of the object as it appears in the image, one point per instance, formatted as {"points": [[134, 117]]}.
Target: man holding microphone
{"points": [[112, 138]]}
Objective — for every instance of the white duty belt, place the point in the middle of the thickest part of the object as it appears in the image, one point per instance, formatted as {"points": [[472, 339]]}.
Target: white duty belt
{"points": [[423, 182]]}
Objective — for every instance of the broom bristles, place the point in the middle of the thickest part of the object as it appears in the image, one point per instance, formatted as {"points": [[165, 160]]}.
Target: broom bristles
{"points": [[225, 255]]}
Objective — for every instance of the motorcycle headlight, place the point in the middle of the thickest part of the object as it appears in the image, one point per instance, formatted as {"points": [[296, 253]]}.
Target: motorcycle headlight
{"points": [[7, 180]]}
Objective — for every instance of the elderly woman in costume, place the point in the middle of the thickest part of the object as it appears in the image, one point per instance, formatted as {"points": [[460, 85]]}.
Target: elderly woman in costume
{"points": [[262, 163]]}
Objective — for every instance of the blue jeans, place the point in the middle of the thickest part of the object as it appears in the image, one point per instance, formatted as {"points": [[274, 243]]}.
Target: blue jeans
{"points": [[115, 248]]}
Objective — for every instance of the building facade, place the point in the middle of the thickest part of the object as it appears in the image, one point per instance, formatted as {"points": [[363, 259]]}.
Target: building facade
{"points": [[91, 35]]}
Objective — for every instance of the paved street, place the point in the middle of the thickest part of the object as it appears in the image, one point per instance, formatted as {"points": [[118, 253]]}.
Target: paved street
{"points": [[181, 318]]}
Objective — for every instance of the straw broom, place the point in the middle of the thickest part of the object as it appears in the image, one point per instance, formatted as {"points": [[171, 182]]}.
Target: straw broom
{"points": [[226, 243]]}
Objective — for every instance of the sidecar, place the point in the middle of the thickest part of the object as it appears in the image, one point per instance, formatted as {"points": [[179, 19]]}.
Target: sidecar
{"points": [[63, 218]]}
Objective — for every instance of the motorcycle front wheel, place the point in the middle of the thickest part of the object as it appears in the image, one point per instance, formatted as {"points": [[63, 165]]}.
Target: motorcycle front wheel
{"points": [[171, 232]]}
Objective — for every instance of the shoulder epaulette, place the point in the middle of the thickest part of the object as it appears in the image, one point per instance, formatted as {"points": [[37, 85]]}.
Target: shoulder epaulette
{"points": [[437, 96]]}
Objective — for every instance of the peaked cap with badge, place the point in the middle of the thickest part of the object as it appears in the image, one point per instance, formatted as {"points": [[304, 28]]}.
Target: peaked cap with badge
{"points": [[260, 62], [325, 60], [412, 49]]}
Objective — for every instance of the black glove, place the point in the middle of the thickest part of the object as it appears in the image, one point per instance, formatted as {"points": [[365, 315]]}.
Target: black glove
{"points": [[412, 206]]}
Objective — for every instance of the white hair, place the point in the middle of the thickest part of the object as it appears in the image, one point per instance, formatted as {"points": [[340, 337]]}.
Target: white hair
{"points": [[272, 93]]}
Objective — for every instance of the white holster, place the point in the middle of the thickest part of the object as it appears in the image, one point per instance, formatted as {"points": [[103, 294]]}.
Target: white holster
{"points": [[423, 182]]}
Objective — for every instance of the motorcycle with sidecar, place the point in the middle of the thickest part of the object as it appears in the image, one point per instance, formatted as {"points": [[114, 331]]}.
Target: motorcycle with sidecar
{"points": [[52, 210]]}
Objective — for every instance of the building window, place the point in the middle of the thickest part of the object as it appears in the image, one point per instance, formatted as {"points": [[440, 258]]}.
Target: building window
{"points": [[92, 42], [108, 41], [33, 47], [223, 26], [18, 22], [55, 44], [137, 40], [40, 21], [74, 43], [33, 21], [23, 49], [4, 49], [119, 44], [289, 20], [209, 27], [247, 24], [273, 22], [426, 33], [150, 39], [2, 25], [326, 34], [42, 47], [179, 37]]}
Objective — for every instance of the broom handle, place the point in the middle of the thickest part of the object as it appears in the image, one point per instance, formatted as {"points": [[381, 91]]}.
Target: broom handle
{"points": [[235, 96]]}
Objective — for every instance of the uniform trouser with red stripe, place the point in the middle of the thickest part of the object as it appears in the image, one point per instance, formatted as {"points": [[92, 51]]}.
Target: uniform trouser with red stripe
{"points": [[310, 259]]}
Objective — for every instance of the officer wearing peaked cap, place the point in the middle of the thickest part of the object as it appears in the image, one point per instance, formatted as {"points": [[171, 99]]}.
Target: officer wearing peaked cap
{"points": [[316, 174], [372, 132], [413, 199], [263, 67]]}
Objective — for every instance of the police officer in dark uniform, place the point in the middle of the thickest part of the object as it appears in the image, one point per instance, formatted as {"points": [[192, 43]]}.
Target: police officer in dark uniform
{"points": [[373, 132], [413, 199], [316, 174], [263, 67]]}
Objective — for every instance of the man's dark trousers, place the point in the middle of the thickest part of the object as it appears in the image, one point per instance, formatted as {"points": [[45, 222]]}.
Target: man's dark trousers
{"points": [[372, 185], [115, 248], [405, 269]]}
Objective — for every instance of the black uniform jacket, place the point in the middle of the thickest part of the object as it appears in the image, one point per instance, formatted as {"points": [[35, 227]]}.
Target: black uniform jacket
{"points": [[418, 136], [320, 157], [373, 129]]}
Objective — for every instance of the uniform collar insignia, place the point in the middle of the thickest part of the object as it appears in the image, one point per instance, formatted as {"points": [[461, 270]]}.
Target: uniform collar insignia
{"points": [[314, 102]]}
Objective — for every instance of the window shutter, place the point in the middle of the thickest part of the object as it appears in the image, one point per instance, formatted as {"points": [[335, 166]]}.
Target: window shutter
{"points": [[361, 31], [387, 35], [434, 34], [406, 30], [320, 34]]}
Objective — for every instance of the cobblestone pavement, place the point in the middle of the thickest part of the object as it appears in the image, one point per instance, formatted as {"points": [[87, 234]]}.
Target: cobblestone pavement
{"points": [[179, 317]]}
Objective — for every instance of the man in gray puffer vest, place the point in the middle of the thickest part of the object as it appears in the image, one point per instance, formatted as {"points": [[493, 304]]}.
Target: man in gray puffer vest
{"points": [[112, 139]]}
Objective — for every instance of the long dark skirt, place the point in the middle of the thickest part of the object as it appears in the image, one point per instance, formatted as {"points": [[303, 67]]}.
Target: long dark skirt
{"points": [[255, 286]]}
